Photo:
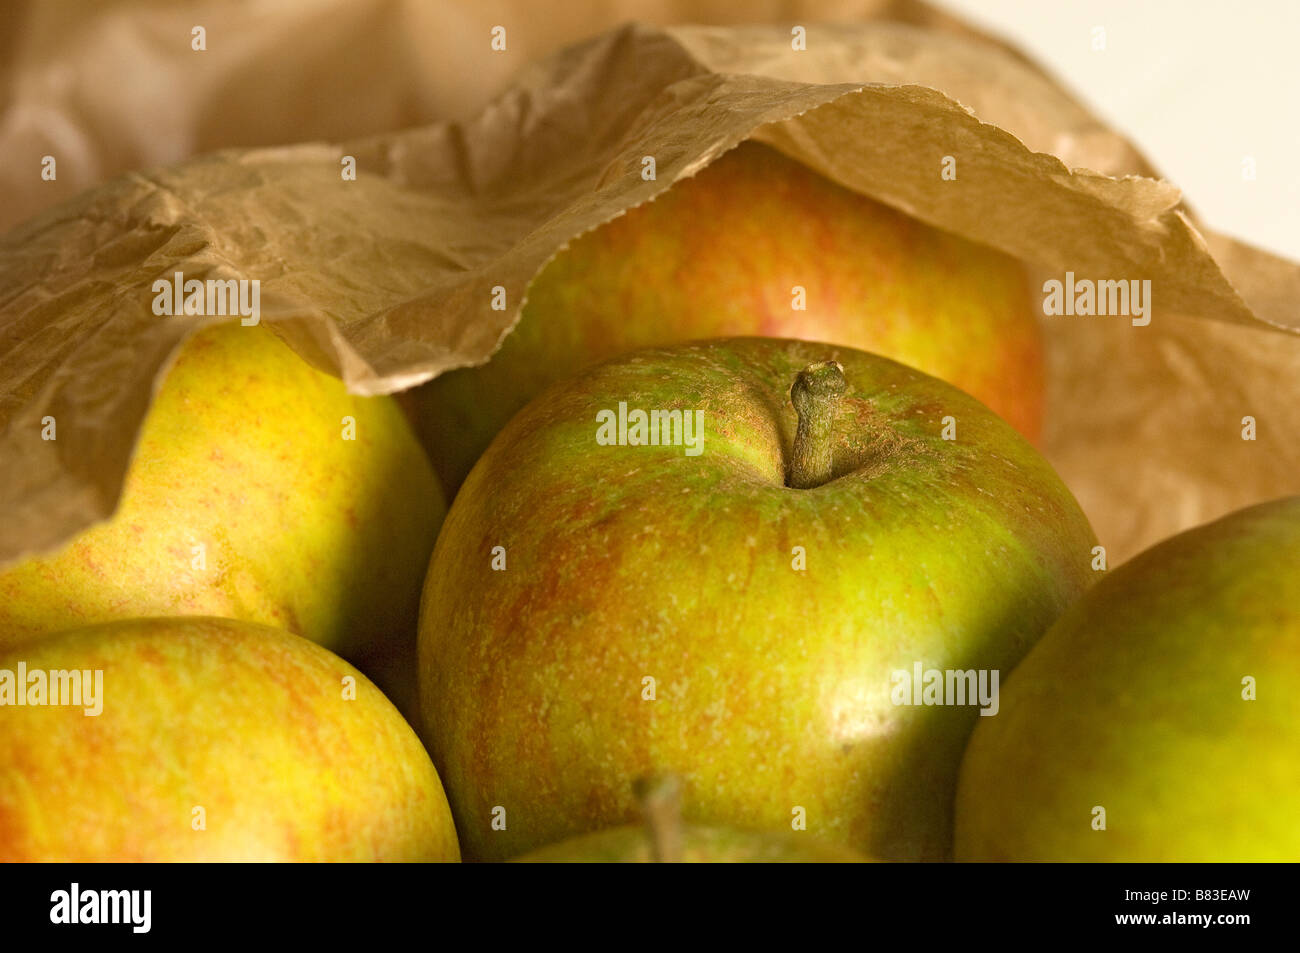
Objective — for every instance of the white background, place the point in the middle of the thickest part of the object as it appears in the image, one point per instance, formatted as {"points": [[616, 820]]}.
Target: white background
{"points": [[1196, 85]]}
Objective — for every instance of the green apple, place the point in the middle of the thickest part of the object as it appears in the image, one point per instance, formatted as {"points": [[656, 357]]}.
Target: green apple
{"points": [[247, 498], [200, 739], [665, 839], [631, 844], [596, 611], [1159, 718], [721, 254]]}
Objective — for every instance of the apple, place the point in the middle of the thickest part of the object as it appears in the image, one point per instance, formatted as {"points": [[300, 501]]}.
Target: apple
{"points": [[246, 499], [719, 255], [1159, 718], [205, 739], [663, 838], [597, 611], [700, 845]]}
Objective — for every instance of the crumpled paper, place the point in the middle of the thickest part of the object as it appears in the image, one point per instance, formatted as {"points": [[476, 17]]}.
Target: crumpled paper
{"points": [[389, 280]]}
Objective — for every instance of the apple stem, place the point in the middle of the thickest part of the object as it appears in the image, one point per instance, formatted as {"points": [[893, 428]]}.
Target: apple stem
{"points": [[815, 392], [661, 805]]}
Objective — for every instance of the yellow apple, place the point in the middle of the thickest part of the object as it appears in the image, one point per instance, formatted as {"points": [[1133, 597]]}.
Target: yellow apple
{"points": [[247, 498], [203, 739], [1159, 719]]}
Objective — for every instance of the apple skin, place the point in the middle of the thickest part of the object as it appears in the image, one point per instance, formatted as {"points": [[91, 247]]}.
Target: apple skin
{"points": [[773, 685], [632, 844], [245, 721], [717, 256], [242, 451], [1133, 702]]}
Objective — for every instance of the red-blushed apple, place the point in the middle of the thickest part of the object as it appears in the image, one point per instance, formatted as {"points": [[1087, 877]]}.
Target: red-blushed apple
{"points": [[1159, 718], [724, 253], [202, 739], [722, 560]]}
